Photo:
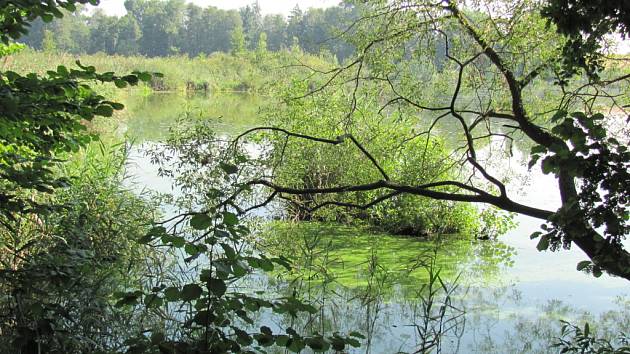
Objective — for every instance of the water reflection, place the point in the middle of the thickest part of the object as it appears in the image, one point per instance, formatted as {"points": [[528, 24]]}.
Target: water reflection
{"points": [[513, 296], [149, 117]]}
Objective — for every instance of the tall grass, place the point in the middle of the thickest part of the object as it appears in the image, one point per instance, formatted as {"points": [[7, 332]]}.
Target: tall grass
{"points": [[218, 72]]}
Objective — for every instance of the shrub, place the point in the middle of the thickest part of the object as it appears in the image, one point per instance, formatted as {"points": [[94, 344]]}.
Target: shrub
{"points": [[312, 164], [61, 269]]}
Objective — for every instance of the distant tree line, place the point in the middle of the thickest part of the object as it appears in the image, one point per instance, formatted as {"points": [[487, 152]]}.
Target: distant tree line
{"points": [[156, 28]]}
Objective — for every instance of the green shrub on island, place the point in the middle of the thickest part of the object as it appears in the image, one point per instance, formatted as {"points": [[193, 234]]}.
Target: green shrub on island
{"points": [[309, 164]]}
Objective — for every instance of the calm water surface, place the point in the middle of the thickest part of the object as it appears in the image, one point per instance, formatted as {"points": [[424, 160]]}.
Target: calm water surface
{"points": [[513, 296]]}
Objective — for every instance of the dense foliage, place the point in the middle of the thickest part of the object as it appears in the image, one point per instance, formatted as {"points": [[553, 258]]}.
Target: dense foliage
{"points": [[586, 23], [86, 268], [581, 340], [60, 270], [250, 71], [484, 79], [305, 164], [162, 28]]}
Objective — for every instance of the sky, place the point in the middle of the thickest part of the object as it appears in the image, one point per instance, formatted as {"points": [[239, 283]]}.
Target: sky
{"points": [[116, 7]]}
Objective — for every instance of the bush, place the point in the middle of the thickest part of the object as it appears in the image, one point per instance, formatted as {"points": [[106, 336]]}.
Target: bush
{"points": [[303, 163], [61, 269]]}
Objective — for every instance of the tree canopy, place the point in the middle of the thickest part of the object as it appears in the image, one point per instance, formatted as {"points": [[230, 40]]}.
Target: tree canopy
{"points": [[491, 74], [161, 28], [586, 23]]}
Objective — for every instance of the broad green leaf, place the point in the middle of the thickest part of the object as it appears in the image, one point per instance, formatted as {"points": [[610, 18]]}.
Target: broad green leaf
{"points": [[200, 221], [356, 335], [104, 110], [228, 168], [229, 251], [143, 76], [191, 292], [318, 344], [230, 219], [120, 83], [217, 287], [543, 244], [171, 294]]}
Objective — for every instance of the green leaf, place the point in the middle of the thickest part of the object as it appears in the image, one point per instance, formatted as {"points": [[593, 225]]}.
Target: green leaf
{"points": [[131, 79], [296, 345], [178, 241], [598, 132], [264, 339], [538, 149], [130, 298], [191, 292], [242, 337], [230, 219], [558, 115], [62, 70], [217, 287], [192, 249], [583, 265], [229, 251], [338, 344], [153, 301], [265, 264], [598, 116], [318, 344], [228, 168], [282, 340], [587, 329], [356, 335], [239, 269], [533, 161], [171, 294], [543, 244], [104, 111], [283, 261], [117, 106], [120, 83], [155, 232], [353, 342], [157, 338], [548, 165], [204, 318], [143, 76], [200, 221]]}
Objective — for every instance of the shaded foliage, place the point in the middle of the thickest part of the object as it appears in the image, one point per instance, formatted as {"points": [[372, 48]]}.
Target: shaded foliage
{"points": [[585, 23], [59, 270]]}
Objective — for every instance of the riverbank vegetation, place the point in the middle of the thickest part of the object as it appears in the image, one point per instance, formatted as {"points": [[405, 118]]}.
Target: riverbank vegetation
{"points": [[311, 165], [61, 268], [250, 71]]}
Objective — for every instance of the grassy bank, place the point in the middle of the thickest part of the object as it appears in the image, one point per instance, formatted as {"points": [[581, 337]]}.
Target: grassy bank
{"points": [[219, 72]]}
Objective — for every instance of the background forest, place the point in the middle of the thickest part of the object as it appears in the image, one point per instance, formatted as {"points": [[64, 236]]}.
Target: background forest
{"points": [[162, 28]]}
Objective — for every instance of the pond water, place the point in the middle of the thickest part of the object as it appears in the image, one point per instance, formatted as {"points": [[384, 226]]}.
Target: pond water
{"points": [[509, 296]]}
